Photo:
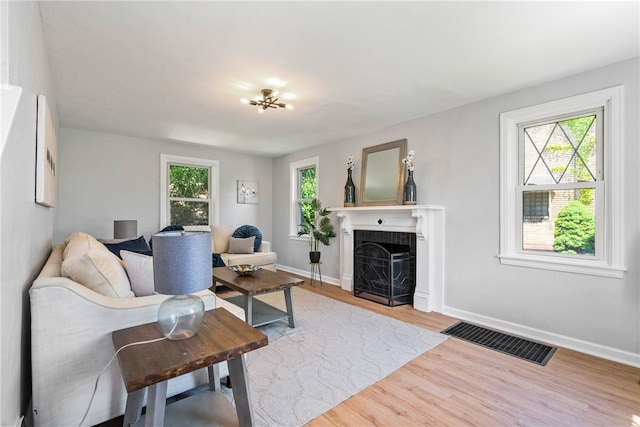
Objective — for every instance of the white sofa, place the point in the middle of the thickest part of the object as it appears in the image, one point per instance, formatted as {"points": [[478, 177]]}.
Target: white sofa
{"points": [[220, 237], [71, 326]]}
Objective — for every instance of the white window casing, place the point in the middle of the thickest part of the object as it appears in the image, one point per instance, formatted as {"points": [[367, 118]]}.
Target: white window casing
{"points": [[609, 259]]}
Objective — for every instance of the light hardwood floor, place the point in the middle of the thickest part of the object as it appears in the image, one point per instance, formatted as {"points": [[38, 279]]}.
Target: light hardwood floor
{"points": [[463, 384], [458, 383]]}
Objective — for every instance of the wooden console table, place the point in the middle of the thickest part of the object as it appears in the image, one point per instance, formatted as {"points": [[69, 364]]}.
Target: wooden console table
{"points": [[221, 337]]}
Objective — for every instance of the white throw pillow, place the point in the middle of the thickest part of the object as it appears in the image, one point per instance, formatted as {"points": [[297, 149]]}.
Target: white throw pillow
{"points": [[140, 272], [221, 236], [90, 263]]}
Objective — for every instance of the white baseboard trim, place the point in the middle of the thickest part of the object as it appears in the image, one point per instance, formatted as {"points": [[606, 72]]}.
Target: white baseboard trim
{"points": [[307, 273], [586, 347]]}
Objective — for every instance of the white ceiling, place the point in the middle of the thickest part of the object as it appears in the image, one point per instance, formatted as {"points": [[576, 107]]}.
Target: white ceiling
{"points": [[177, 70]]}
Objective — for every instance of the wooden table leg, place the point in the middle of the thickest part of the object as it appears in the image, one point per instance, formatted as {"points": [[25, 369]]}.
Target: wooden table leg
{"points": [[289, 301], [134, 407], [214, 377], [241, 395], [156, 401], [248, 314]]}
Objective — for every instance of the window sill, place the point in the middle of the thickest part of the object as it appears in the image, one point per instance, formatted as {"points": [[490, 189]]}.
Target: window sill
{"points": [[593, 268]]}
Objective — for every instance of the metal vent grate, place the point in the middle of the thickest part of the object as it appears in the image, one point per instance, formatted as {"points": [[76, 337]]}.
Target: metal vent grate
{"points": [[519, 347]]}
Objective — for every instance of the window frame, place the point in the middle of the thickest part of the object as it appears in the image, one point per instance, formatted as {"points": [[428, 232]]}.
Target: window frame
{"points": [[609, 259], [167, 160], [294, 168], [597, 185]]}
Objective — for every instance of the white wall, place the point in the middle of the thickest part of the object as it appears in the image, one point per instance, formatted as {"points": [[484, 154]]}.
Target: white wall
{"points": [[457, 166], [26, 229], [103, 177]]}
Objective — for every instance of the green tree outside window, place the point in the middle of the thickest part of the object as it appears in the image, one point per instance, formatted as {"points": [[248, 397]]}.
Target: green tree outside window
{"points": [[189, 198]]}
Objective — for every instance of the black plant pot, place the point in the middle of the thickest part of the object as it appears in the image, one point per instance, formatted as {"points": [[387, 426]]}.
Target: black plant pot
{"points": [[314, 257]]}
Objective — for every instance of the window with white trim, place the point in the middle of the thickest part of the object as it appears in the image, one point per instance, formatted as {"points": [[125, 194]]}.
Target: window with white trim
{"points": [[561, 185], [189, 188], [304, 188]]}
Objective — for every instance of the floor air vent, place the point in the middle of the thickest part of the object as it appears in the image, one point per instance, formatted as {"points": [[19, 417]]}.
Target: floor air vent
{"points": [[519, 347]]}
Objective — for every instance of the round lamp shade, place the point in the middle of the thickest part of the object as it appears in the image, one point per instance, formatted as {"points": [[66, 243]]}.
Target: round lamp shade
{"points": [[181, 265], [181, 262]]}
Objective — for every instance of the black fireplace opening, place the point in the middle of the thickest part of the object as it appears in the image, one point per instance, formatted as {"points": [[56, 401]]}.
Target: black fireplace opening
{"points": [[384, 266]]}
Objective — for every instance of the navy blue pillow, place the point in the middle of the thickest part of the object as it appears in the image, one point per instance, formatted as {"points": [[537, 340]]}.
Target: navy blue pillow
{"points": [[217, 261], [246, 231], [134, 245]]}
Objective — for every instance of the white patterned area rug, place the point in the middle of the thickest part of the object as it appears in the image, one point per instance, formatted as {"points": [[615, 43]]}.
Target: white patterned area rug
{"points": [[335, 351]]}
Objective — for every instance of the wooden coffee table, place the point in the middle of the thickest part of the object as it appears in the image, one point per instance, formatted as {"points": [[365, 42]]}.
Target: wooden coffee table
{"points": [[258, 313]]}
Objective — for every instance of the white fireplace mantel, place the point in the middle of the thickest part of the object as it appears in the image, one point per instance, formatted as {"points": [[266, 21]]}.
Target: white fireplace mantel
{"points": [[426, 221]]}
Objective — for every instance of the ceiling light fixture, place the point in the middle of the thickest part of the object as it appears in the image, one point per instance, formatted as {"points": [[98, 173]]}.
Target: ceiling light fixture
{"points": [[269, 100]]}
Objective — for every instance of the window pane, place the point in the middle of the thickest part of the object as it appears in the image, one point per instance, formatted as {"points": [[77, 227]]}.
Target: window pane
{"points": [[189, 213], [569, 226], [188, 182], [307, 183], [305, 213], [560, 152]]}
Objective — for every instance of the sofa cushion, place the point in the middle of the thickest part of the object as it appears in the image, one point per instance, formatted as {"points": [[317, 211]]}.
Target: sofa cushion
{"points": [[246, 231], [221, 236], [241, 246], [140, 272], [256, 258], [203, 228], [135, 245], [88, 262]]}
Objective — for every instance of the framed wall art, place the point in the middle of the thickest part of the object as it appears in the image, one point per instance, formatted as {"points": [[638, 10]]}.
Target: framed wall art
{"points": [[248, 192], [46, 156]]}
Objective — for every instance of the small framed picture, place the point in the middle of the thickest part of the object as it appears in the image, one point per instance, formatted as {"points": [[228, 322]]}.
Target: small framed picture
{"points": [[248, 192]]}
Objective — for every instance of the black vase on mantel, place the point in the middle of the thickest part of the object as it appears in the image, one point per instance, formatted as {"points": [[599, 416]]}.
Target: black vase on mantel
{"points": [[349, 191], [409, 193]]}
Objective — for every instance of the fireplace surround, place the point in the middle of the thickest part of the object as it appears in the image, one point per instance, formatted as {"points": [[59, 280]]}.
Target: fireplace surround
{"points": [[425, 221]]}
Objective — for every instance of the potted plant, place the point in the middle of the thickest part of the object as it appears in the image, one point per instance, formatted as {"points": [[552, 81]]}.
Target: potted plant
{"points": [[317, 227]]}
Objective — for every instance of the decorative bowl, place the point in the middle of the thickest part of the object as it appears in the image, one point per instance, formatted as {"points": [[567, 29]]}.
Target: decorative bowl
{"points": [[245, 269]]}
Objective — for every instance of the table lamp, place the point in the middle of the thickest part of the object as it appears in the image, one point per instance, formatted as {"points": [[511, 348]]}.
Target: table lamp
{"points": [[125, 229], [181, 266]]}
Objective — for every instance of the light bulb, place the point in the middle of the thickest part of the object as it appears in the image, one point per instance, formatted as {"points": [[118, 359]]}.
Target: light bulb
{"points": [[244, 100], [289, 107], [260, 110]]}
